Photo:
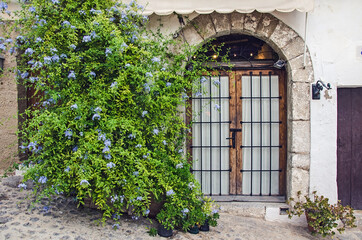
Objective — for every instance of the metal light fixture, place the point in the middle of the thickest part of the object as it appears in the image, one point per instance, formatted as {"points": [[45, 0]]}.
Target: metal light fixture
{"points": [[279, 64], [318, 87], [2, 60]]}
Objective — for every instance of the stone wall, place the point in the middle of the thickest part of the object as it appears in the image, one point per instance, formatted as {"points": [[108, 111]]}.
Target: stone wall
{"points": [[8, 112], [290, 46]]}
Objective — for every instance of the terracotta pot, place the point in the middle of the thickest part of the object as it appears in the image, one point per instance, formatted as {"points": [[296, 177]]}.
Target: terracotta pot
{"points": [[309, 219]]}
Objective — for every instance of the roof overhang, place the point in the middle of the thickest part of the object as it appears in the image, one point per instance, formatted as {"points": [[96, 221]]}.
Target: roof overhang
{"points": [[166, 7]]}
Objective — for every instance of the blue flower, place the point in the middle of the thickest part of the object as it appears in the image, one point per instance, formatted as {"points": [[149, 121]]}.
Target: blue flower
{"points": [[53, 50], [184, 96], [110, 165], [107, 143], [72, 46], [67, 169], [63, 55], [31, 62], [217, 82], [123, 45], [32, 9], [12, 50], [155, 60], [217, 107], [9, 40], [93, 74], [97, 110], [101, 136], [180, 151], [191, 185], [93, 34], [81, 134], [33, 79], [155, 131], [65, 23], [214, 211], [138, 146], [146, 156], [96, 116], [146, 212], [84, 182], [108, 156], [184, 211], [42, 179], [71, 75], [38, 40], [37, 64], [144, 113], [3, 6], [180, 165], [115, 226], [24, 75], [42, 22], [68, 133], [131, 136], [29, 51], [20, 39], [55, 58], [148, 74], [203, 79], [114, 84], [73, 27], [82, 12], [198, 94], [96, 24], [47, 60], [170, 193], [106, 149], [164, 142], [127, 65], [75, 149], [168, 84], [114, 198], [55, 1], [147, 87], [135, 173], [87, 39], [139, 198], [22, 186], [74, 106], [2, 47], [108, 51], [112, 19]]}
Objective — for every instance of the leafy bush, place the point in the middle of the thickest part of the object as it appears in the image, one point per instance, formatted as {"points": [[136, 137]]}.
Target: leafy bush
{"points": [[108, 124], [321, 216]]}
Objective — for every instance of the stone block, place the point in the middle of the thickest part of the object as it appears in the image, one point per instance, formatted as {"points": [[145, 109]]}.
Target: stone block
{"points": [[299, 101], [191, 35], [204, 26], [294, 48], [282, 35], [251, 21], [237, 22], [299, 137], [299, 181], [221, 23], [267, 25], [298, 72], [297, 160]]}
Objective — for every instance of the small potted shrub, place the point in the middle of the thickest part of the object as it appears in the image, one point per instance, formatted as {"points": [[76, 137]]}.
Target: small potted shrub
{"points": [[322, 217]]}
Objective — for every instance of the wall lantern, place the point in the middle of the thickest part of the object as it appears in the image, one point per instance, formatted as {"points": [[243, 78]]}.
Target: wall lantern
{"points": [[2, 60], [318, 87]]}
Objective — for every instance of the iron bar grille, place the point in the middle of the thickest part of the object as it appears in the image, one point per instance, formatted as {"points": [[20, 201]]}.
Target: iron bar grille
{"points": [[210, 147]]}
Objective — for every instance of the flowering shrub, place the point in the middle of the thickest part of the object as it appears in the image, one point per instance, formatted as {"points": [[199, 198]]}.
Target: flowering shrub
{"points": [[108, 125]]}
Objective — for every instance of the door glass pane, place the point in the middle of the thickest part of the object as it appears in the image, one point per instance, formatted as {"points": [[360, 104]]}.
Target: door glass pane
{"points": [[210, 148], [260, 131]]}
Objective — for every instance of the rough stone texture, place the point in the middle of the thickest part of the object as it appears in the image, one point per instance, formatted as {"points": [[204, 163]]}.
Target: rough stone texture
{"points": [[294, 48], [298, 181], [191, 35], [221, 23], [8, 112], [282, 35], [267, 25], [300, 104], [12, 181], [299, 137], [299, 73], [204, 26], [237, 22], [297, 160], [251, 22]]}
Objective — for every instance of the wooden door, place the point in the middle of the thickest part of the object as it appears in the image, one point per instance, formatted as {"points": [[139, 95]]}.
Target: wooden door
{"points": [[240, 151], [349, 147]]}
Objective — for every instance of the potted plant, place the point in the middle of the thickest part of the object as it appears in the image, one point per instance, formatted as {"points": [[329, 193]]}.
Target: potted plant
{"points": [[322, 217]]}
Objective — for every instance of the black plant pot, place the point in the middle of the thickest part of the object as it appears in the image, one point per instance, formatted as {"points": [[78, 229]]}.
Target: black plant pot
{"points": [[193, 230], [164, 232], [205, 227]]}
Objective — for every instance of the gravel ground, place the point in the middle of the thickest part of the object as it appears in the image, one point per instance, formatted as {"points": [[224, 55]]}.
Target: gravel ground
{"points": [[61, 219]]}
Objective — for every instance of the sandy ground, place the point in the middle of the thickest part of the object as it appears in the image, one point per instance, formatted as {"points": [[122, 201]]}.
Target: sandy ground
{"points": [[61, 219]]}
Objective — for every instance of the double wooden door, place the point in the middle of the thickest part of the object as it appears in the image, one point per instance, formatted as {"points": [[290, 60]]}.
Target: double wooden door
{"points": [[239, 133]]}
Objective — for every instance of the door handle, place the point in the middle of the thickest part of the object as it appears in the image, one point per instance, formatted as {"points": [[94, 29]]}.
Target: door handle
{"points": [[233, 133]]}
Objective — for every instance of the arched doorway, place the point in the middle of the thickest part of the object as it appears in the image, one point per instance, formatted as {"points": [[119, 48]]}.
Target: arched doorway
{"points": [[239, 124]]}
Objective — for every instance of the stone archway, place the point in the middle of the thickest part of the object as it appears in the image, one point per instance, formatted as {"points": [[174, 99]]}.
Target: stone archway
{"points": [[290, 46]]}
